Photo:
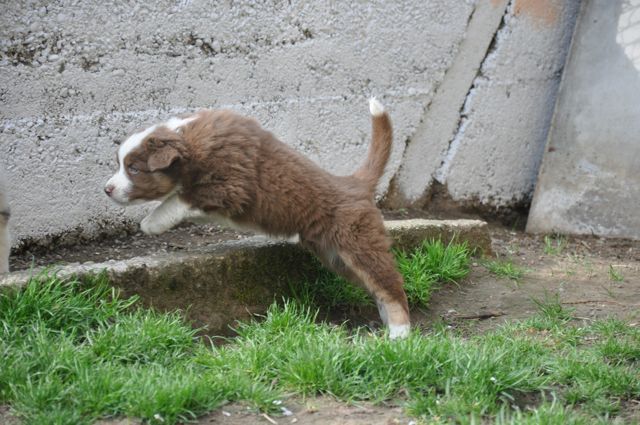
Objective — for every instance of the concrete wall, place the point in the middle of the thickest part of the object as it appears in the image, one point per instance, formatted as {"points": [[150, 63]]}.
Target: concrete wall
{"points": [[589, 181], [76, 76], [488, 150]]}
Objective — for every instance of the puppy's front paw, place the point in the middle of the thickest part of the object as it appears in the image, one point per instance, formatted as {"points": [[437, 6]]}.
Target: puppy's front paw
{"points": [[150, 226]]}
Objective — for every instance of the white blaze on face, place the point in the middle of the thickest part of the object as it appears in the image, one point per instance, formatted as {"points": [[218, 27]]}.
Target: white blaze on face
{"points": [[120, 181]]}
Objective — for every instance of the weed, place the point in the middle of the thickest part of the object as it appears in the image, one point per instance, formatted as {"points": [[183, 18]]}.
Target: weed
{"points": [[430, 264], [505, 268], [551, 309], [554, 245], [615, 275]]}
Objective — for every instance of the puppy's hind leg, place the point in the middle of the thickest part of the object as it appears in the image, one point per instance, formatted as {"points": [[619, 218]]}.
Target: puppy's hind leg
{"points": [[377, 272], [330, 259]]}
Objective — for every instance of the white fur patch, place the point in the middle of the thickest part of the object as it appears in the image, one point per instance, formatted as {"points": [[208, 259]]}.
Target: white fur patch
{"points": [[382, 310], [175, 122], [168, 214], [293, 239], [120, 180], [399, 331], [375, 107]]}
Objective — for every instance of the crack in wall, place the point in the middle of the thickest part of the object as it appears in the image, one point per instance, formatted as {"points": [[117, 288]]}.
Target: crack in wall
{"points": [[441, 173], [393, 196], [436, 88]]}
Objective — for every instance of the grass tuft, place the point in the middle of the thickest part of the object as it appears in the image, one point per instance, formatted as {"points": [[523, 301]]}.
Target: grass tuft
{"points": [[554, 245], [430, 265], [614, 274], [551, 311], [505, 268]]}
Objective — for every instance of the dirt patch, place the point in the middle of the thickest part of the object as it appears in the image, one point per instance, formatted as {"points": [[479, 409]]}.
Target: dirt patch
{"points": [[6, 417], [597, 277], [314, 411]]}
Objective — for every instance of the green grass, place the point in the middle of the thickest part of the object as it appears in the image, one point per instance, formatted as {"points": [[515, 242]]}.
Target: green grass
{"points": [[615, 275], [430, 265], [505, 268], [74, 353], [330, 291], [554, 245], [424, 269]]}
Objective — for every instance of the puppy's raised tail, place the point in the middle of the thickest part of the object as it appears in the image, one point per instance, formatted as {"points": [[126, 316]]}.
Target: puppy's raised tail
{"points": [[380, 148]]}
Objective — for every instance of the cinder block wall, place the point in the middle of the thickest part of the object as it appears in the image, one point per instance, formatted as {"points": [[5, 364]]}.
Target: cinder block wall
{"points": [[77, 76]]}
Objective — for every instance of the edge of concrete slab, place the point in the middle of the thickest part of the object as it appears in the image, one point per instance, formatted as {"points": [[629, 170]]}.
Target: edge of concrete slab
{"points": [[221, 283]]}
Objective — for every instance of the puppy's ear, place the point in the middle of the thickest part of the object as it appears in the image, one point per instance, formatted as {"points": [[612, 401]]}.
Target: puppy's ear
{"points": [[162, 158], [162, 149]]}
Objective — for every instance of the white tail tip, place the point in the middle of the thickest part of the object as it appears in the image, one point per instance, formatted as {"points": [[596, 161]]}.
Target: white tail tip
{"points": [[376, 108]]}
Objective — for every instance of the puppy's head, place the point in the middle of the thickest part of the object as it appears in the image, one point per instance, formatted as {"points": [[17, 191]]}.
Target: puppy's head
{"points": [[147, 166]]}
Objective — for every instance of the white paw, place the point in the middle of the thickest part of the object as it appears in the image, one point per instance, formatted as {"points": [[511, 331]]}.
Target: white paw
{"points": [[150, 226], [399, 331]]}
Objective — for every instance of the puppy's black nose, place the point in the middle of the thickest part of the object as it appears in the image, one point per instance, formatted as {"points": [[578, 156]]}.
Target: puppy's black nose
{"points": [[108, 190]]}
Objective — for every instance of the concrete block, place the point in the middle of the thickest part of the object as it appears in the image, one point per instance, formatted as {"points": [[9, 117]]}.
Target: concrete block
{"points": [[589, 181], [440, 121], [494, 157], [482, 135], [221, 283]]}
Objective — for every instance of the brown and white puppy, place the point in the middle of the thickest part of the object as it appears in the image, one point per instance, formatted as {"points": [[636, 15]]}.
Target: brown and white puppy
{"points": [[5, 242], [224, 167]]}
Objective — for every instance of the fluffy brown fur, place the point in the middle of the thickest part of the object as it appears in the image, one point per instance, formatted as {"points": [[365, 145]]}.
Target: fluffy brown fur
{"points": [[224, 164]]}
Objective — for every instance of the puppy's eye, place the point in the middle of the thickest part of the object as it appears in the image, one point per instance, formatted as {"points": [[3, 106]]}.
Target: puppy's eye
{"points": [[133, 170]]}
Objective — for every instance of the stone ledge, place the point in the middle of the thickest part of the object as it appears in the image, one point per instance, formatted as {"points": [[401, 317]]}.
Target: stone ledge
{"points": [[220, 283]]}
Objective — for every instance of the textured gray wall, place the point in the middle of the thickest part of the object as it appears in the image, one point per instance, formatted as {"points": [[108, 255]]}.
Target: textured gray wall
{"points": [[589, 181], [488, 149], [76, 76]]}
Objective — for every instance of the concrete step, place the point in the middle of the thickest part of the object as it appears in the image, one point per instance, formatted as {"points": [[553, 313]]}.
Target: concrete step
{"points": [[218, 284]]}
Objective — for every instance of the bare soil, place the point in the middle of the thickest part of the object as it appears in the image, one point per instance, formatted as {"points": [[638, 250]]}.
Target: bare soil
{"points": [[6, 418], [597, 277], [315, 411]]}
